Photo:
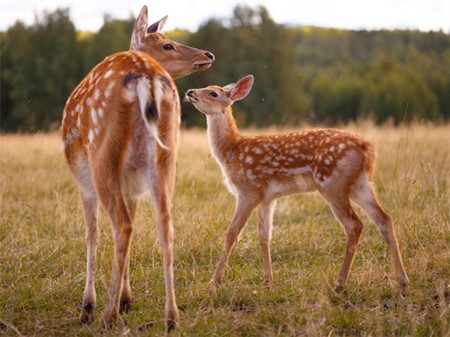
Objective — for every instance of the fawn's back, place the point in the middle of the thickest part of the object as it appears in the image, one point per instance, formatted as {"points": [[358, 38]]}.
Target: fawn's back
{"points": [[295, 161]]}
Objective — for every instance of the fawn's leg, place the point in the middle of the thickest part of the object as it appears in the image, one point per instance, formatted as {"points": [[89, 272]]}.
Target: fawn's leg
{"points": [[265, 216], [125, 298], [353, 228], [244, 208], [90, 208], [363, 194]]}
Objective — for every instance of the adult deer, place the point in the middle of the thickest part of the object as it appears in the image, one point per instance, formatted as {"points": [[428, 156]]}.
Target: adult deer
{"points": [[119, 130], [259, 169]]}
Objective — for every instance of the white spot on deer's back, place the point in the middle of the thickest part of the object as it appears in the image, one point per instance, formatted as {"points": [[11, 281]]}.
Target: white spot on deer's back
{"points": [[94, 116], [100, 111], [109, 89], [91, 136], [342, 146], [249, 160], [108, 74], [241, 155]]}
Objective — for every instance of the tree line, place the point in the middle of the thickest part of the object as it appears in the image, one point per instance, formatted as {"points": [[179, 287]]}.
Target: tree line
{"points": [[312, 74]]}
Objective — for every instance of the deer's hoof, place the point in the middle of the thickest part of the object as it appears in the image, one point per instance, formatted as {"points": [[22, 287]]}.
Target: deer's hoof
{"points": [[125, 306]]}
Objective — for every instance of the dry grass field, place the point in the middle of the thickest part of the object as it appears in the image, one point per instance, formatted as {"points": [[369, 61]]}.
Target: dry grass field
{"points": [[42, 249]]}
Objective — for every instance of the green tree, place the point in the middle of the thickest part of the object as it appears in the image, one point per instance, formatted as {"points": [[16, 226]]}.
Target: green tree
{"points": [[43, 65], [252, 43]]}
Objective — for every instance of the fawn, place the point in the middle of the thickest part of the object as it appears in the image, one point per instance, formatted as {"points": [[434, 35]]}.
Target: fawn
{"points": [[259, 169], [120, 132]]}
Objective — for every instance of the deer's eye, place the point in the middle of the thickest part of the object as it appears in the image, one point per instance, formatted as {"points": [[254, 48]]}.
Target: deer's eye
{"points": [[168, 46], [214, 94]]}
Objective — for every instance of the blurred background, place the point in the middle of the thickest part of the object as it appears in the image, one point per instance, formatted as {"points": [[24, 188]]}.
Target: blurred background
{"points": [[303, 72]]}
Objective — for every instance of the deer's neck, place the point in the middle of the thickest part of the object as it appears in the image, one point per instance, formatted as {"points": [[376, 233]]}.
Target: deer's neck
{"points": [[222, 133]]}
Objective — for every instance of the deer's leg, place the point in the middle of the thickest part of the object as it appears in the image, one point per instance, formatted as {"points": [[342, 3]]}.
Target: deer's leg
{"points": [[265, 216], [125, 298], [364, 195], [161, 180], [244, 207], [90, 208], [353, 228], [111, 197], [162, 202]]}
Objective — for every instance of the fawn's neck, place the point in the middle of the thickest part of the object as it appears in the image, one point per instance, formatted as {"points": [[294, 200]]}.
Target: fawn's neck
{"points": [[222, 133]]}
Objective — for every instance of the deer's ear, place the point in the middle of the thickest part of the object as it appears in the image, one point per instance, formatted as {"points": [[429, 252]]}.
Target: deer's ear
{"points": [[157, 26], [241, 89], [140, 27]]}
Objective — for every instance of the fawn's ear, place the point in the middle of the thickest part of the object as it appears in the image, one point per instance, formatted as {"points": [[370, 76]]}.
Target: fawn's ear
{"points": [[140, 26], [241, 89], [157, 26], [229, 86]]}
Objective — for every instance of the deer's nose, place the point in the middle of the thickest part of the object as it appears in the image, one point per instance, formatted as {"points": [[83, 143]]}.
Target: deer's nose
{"points": [[190, 92], [210, 56]]}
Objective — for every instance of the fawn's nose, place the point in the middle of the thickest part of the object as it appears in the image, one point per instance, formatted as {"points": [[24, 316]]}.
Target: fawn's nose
{"points": [[210, 56], [190, 93]]}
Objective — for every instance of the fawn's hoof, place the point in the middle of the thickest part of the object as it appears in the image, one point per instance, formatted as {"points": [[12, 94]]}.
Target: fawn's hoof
{"points": [[171, 320], [339, 289], [86, 317], [87, 313], [404, 284]]}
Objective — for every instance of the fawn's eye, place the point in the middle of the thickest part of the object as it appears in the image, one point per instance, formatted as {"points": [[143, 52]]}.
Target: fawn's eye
{"points": [[168, 46], [214, 94]]}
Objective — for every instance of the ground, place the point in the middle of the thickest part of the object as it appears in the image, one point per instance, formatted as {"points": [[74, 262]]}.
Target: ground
{"points": [[42, 249]]}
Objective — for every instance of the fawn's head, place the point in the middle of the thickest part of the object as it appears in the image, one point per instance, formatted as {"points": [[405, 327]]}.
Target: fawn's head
{"points": [[214, 100], [179, 60]]}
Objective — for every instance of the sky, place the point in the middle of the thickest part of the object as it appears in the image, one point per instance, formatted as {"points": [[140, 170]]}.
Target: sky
{"points": [[88, 15]]}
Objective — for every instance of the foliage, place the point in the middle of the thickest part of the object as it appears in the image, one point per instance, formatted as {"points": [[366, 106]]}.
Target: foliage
{"points": [[40, 70], [252, 43], [302, 73]]}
